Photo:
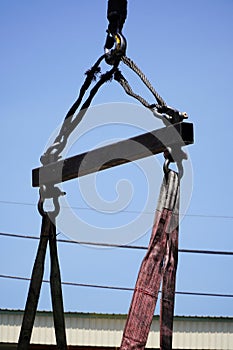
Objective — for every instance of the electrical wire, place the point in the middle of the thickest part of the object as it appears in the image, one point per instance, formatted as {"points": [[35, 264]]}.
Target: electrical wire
{"points": [[111, 245], [210, 216], [129, 289]]}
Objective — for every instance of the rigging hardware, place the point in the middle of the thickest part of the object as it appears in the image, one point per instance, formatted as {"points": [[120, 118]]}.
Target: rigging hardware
{"points": [[168, 210], [115, 45], [114, 55]]}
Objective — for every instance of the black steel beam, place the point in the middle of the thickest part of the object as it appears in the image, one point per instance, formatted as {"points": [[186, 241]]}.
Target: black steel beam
{"points": [[118, 153]]}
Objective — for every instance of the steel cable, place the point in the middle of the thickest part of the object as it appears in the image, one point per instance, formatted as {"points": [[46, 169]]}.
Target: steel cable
{"points": [[71, 121], [127, 61]]}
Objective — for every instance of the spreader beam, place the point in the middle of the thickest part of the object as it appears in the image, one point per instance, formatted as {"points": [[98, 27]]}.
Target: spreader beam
{"points": [[141, 146]]}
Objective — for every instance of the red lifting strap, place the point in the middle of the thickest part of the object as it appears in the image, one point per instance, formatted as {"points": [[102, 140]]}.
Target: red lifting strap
{"points": [[159, 263]]}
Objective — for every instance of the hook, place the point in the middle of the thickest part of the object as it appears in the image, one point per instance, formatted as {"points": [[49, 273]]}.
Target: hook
{"points": [[114, 55]]}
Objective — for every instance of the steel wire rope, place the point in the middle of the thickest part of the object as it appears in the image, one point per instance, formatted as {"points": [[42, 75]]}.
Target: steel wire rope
{"points": [[118, 76], [71, 120], [127, 61]]}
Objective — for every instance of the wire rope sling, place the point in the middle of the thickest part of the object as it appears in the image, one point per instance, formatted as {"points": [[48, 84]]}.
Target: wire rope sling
{"points": [[160, 261]]}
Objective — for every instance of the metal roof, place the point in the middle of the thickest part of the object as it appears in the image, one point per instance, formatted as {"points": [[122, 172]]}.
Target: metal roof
{"points": [[90, 329]]}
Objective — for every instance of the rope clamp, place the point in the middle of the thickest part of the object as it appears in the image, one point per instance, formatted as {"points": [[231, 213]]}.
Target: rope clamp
{"points": [[113, 55]]}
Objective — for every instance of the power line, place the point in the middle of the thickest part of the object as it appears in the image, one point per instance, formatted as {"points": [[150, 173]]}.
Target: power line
{"points": [[210, 216], [75, 284], [203, 251], [127, 246], [18, 203]]}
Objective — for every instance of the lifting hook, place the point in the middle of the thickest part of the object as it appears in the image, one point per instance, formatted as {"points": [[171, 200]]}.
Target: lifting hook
{"points": [[114, 54]]}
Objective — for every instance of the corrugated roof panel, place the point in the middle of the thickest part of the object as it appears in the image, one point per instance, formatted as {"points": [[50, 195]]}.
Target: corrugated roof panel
{"points": [[153, 338], [106, 330], [203, 334], [43, 330], [94, 331]]}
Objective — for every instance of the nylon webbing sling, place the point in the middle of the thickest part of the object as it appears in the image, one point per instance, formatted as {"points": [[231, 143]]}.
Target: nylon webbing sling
{"points": [[48, 234], [159, 264]]}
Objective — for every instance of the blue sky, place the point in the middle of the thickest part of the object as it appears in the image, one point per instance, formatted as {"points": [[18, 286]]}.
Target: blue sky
{"points": [[185, 49]]}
